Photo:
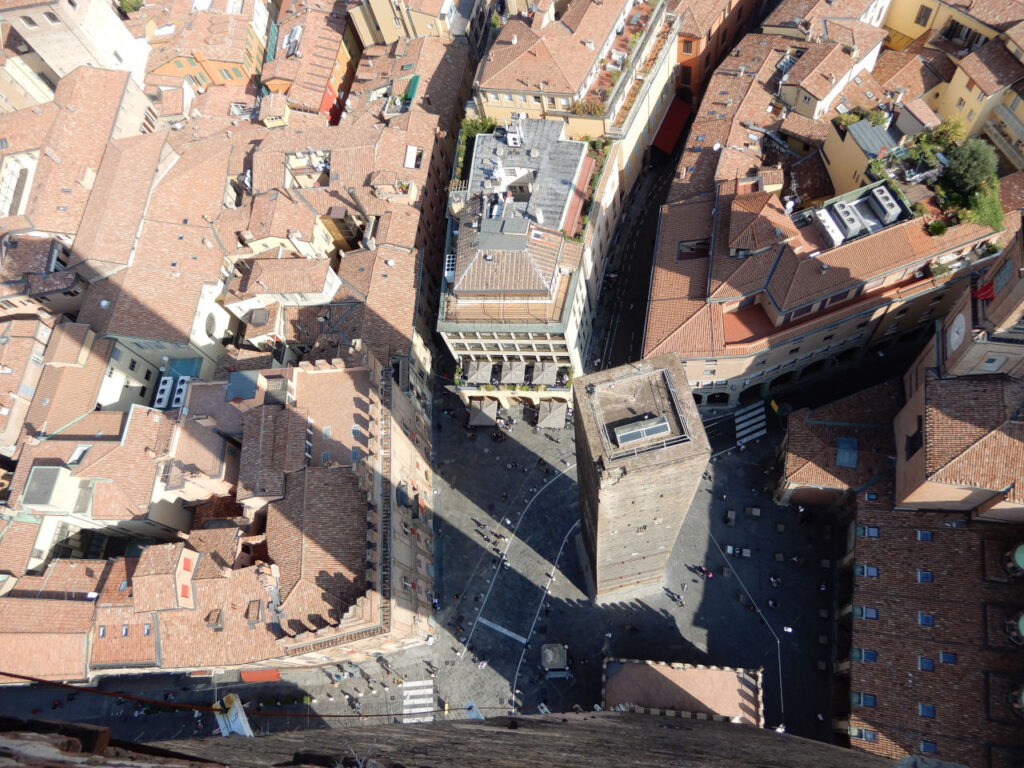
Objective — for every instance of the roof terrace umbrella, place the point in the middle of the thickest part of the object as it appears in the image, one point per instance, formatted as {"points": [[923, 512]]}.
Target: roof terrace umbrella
{"points": [[551, 415], [513, 373], [482, 413], [545, 373], [479, 373]]}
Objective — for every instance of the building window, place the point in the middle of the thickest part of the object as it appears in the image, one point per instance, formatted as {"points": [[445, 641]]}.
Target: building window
{"points": [[149, 374], [970, 115], [863, 654], [870, 571], [923, 14], [925, 664], [102, 631], [133, 364], [179, 63], [960, 103], [184, 590], [867, 531], [929, 748], [51, 17], [925, 619], [146, 629], [325, 456], [236, 72], [29, 22], [926, 710], [924, 577], [685, 75], [947, 657], [142, 392], [687, 46], [862, 699], [864, 612], [124, 630], [227, 75], [79, 453], [924, 535], [863, 734], [188, 564]]}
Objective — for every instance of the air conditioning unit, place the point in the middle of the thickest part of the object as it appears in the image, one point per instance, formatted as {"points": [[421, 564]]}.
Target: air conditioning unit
{"points": [[884, 205], [180, 390], [163, 392], [848, 219], [827, 227]]}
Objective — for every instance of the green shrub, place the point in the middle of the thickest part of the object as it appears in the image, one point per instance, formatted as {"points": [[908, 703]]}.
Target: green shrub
{"points": [[130, 6], [878, 117], [919, 209], [936, 228], [984, 207], [847, 119], [971, 165]]}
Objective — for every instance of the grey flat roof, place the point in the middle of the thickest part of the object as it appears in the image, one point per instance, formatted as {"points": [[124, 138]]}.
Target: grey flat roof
{"points": [[241, 384], [549, 162], [873, 138], [40, 485]]}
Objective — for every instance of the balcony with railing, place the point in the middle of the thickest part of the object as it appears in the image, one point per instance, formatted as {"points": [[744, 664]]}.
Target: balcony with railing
{"points": [[641, 82], [994, 131]]}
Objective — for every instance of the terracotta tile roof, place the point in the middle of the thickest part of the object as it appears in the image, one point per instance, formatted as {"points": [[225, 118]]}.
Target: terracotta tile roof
{"points": [[734, 694], [937, 60], [68, 344], [820, 66], [733, 104], [811, 178], [45, 638], [309, 73], [290, 274], [111, 220], [854, 35], [998, 14], [67, 392], [71, 146], [805, 16], [64, 580], [800, 279], [678, 286], [813, 434], [899, 69], [22, 344], [974, 431], [153, 583], [554, 55], [117, 587], [1015, 34], [810, 131], [757, 220], [317, 535], [212, 35], [218, 549], [992, 67], [130, 638], [188, 641], [22, 257], [16, 542], [273, 440], [926, 115]]}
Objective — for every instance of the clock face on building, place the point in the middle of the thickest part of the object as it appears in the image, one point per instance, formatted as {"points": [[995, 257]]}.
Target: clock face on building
{"points": [[957, 332]]}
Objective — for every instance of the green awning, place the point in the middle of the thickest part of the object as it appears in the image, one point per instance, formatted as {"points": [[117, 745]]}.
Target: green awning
{"points": [[410, 92]]}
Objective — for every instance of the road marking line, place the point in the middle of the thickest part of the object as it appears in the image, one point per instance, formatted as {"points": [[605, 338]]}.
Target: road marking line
{"points": [[499, 628], [419, 684]]}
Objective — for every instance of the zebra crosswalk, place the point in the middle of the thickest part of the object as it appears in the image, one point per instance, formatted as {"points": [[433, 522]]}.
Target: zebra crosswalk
{"points": [[418, 701], [751, 423]]}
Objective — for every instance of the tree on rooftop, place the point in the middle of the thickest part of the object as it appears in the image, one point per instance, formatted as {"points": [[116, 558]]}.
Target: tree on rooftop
{"points": [[945, 135], [130, 6], [971, 165]]}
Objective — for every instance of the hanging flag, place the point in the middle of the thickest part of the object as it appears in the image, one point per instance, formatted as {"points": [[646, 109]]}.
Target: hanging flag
{"points": [[986, 292]]}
